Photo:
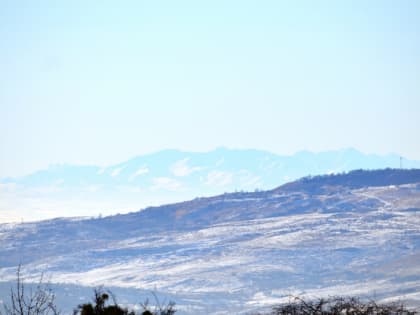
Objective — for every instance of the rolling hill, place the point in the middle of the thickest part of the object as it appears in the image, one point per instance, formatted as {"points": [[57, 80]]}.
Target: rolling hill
{"points": [[166, 177]]}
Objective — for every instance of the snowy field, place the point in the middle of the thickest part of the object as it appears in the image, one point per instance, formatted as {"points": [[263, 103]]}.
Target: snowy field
{"points": [[247, 251]]}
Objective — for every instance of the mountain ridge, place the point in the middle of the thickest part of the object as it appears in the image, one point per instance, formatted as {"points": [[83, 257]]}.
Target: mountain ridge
{"points": [[173, 154]]}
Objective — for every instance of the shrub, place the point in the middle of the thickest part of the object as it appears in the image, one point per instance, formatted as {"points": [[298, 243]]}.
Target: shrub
{"points": [[99, 306], [339, 306]]}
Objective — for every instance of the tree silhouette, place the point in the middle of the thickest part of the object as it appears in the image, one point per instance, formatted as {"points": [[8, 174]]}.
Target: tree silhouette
{"points": [[339, 306], [99, 307], [27, 300]]}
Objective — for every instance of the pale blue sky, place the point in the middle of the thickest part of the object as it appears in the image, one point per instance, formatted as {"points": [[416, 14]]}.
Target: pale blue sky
{"points": [[99, 82]]}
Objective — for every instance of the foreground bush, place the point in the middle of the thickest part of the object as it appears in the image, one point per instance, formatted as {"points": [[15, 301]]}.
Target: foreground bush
{"points": [[339, 306], [99, 306]]}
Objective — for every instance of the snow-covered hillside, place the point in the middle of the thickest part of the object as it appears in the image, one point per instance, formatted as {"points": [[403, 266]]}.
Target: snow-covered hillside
{"points": [[166, 177], [356, 233]]}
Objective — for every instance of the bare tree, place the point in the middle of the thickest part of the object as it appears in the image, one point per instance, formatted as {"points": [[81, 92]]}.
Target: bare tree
{"points": [[339, 306], [161, 308], [30, 300]]}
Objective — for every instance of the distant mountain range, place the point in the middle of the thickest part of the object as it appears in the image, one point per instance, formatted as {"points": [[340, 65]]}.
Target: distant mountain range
{"points": [[355, 233], [168, 176]]}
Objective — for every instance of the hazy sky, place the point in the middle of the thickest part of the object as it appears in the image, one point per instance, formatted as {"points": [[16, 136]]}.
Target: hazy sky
{"points": [[100, 82]]}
